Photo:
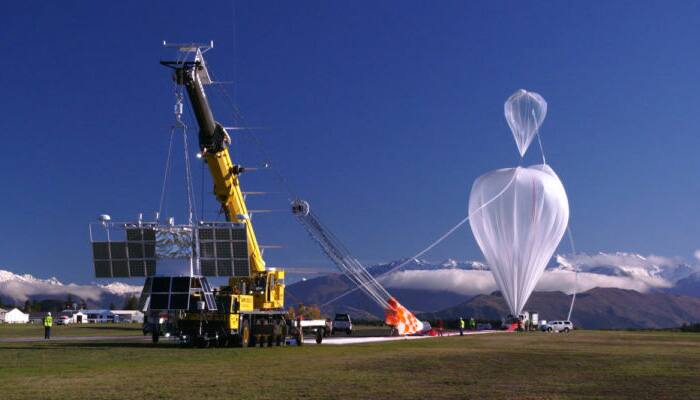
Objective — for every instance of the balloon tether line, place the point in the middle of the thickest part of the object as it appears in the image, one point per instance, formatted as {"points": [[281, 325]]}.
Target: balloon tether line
{"points": [[435, 243], [573, 252], [539, 140], [568, 232]]}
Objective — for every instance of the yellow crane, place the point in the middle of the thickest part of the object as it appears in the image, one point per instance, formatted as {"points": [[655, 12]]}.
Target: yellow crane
{"points": [[260, 294]]}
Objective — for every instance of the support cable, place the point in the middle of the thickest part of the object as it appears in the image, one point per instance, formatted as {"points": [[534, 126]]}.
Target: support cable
{"points": [[432, 245], [167, 172]]}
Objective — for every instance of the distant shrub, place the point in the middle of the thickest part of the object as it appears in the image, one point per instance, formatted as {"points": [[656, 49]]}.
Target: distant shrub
{"points": [[690, 327]]}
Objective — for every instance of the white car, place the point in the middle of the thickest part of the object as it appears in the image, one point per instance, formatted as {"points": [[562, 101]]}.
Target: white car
{"points": [[558, 326], [62, 320]]}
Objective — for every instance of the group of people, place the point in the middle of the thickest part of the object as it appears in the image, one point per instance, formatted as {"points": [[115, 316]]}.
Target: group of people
{"points": [[462, 326], [462, 323]]}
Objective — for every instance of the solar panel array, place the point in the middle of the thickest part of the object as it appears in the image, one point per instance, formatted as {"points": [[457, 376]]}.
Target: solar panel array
{"points": [[176, 293], [223, 250], [134, 257]]}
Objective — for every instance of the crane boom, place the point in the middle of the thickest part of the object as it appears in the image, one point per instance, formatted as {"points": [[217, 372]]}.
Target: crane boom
{"points": [[213, 144], [264, 285]]}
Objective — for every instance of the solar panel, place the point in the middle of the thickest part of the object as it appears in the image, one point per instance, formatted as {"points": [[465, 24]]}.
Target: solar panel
{"points": [[223, 249], [239, 234], [159, 301], [134, 234], [209, 299], [176, 293], [160, 284], [149, 235], [224, 267], [208, 267], [221, 243], [100, 250], [179, 301], [135, 250], [180, 284], [145, 298], [206, 250], [150, 267], [103, 269], [149, 250], [241, 267], [120, 268], [117, 250], [119, 259], [147, 286], [206, 234]]}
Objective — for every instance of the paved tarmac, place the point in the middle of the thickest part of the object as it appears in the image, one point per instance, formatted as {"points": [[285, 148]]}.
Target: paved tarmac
{"points": [[334, 340]]}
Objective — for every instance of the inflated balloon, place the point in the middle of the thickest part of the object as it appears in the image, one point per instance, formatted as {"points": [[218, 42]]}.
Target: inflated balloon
{"points": [[525, 112], [518, 230]]}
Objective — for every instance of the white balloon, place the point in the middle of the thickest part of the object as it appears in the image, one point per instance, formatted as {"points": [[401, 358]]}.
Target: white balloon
{"points": [[518, 231], [525, 112]]}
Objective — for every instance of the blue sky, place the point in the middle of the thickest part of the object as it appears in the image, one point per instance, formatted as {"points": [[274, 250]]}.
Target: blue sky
{"points": [[381, 114]]}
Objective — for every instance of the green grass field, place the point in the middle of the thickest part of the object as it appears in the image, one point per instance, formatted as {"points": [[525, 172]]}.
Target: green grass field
{"points": [[580, 365], [37, 330]]}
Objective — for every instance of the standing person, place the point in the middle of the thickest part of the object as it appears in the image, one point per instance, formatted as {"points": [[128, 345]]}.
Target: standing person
{"points": [[48, 322], [472, 324], [441, 326], [461, 326]]}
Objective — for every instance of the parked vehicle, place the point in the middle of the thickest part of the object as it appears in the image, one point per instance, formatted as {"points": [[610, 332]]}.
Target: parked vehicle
{"points": [[63, 320], [484, 326], [558, 326], [341, 323]]}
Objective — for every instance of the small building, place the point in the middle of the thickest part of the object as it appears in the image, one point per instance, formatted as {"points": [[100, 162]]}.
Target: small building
{"points": [[128, 316], [15, 316], [74, 316], [37, 317], [99, 316], [2, 315]]}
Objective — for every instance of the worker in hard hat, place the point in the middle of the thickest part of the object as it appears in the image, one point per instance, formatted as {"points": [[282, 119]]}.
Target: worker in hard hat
{"points": [[461, 326], [472, 323], [48, 322]]}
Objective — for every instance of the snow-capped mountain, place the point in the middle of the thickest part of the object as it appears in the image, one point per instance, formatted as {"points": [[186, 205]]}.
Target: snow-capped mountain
{"points": [[16, 288], [456, 278], [629, 265], [618, 264], [605, 270], [422, 264], [614, 290]]}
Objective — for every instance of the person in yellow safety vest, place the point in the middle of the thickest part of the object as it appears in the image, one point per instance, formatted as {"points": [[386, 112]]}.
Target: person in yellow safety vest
{"points": [[461, 326], [472, 324], [48, 322]]}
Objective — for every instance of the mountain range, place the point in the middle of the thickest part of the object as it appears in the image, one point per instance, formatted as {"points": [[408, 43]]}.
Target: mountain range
{"points": [[17, 289], [599, 308], [615, 290]]}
